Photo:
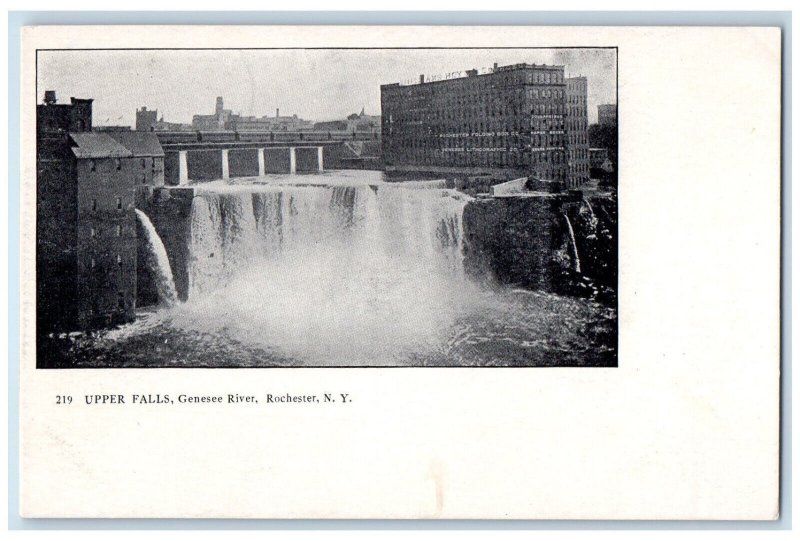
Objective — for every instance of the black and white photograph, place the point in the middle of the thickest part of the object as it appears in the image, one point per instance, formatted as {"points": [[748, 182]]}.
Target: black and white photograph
{"points": [[386, 272], [223, 208]]}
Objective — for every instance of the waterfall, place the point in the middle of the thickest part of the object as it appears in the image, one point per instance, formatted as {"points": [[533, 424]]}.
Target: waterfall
{"points": [[574, 244], [592, 215], [157, 261], [382, 228], [343, 272]]}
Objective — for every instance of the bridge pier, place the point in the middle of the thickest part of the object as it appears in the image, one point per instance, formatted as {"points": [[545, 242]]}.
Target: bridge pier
{"points": [[262, 167], [183, 167], [226, 170], [188, 163]]}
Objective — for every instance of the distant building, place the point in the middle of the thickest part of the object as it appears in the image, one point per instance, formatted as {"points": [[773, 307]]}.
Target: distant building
{"points": [[607, 115], [224, 120], [86, 225], [364, 123], [577, 125], [219, 121], [511, 117], [147, 120], [355, 123], [270, 123]]}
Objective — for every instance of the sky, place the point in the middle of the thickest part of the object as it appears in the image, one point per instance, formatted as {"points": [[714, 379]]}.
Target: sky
{"points": [[317, 85]]}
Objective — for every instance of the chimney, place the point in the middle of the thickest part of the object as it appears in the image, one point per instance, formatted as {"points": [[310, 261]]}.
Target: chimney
{"points": [[277, 112], [421, 79], [49, 97], [495, 67]]}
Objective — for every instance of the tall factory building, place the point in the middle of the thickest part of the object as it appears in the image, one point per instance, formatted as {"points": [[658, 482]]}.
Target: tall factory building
{"points": [[86, 223], [513, 117], [577, 124]]}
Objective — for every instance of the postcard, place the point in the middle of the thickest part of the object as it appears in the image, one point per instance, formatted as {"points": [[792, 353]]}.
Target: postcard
{"points": [[400, 272]]}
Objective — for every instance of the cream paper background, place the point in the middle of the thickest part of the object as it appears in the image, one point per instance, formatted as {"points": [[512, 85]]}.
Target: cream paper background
{"points": [[685, 428]]}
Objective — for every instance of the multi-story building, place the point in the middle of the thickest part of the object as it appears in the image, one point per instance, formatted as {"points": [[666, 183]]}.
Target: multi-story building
{"points": [[270, 123], [577, 124], [356, 123], [513, 117], [607, 115], [86, 224], [225, 120], [147, 120], [220, 120]]}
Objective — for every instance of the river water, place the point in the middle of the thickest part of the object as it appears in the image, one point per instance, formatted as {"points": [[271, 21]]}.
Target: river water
{"points": [[342, 269]]}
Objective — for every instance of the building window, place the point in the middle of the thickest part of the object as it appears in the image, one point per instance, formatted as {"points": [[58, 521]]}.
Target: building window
{"points": [[118, 163], [143, 163], [94, 204], [119, 203], [92, 232], [119, 230], [92, 263], [119, 260], [121, 300], [93, 165]]}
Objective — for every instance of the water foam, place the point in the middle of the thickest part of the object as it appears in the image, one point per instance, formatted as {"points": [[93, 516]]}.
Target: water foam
{"points": [[353, 273]]}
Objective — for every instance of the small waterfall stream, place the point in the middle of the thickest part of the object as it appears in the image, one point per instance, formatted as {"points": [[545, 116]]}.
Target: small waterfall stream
{"points": [[575, 256], [157, 261]]}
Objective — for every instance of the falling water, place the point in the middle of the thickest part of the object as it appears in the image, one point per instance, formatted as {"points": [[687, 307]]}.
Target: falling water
{"points": [[157, 261], [354, 270], [575, 256], [234, 228], [592, 215]]}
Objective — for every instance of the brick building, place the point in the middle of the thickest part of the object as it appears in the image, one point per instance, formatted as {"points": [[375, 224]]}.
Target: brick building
{"points": [[86, 224], [513, 117], [577, 124]]}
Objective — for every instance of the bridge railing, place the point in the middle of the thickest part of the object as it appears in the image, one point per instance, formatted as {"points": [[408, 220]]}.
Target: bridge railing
{"points": [[177, 137]]}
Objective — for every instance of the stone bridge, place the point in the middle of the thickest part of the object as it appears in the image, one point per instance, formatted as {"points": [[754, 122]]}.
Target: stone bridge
{"points": [[204, 156]]}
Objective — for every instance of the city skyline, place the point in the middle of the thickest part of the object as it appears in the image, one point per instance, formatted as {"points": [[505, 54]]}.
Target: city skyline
{"points": [[316, 85]]}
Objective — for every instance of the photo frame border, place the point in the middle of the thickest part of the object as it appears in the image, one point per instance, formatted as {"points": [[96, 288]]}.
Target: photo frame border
{"points": [[18, 19]]}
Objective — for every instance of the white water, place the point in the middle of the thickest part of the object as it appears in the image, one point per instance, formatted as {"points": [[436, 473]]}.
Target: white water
{"points": [[157, 261], [359, 272], [575, 256]]}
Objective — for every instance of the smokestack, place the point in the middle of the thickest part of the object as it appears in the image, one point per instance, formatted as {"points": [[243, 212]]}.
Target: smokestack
{"points": [[421, 79], [49, 97]]}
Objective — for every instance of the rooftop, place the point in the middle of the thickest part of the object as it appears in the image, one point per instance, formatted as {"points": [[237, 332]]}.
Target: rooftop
{"points": [[97, 145], [139, 143], [478, 73]]}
